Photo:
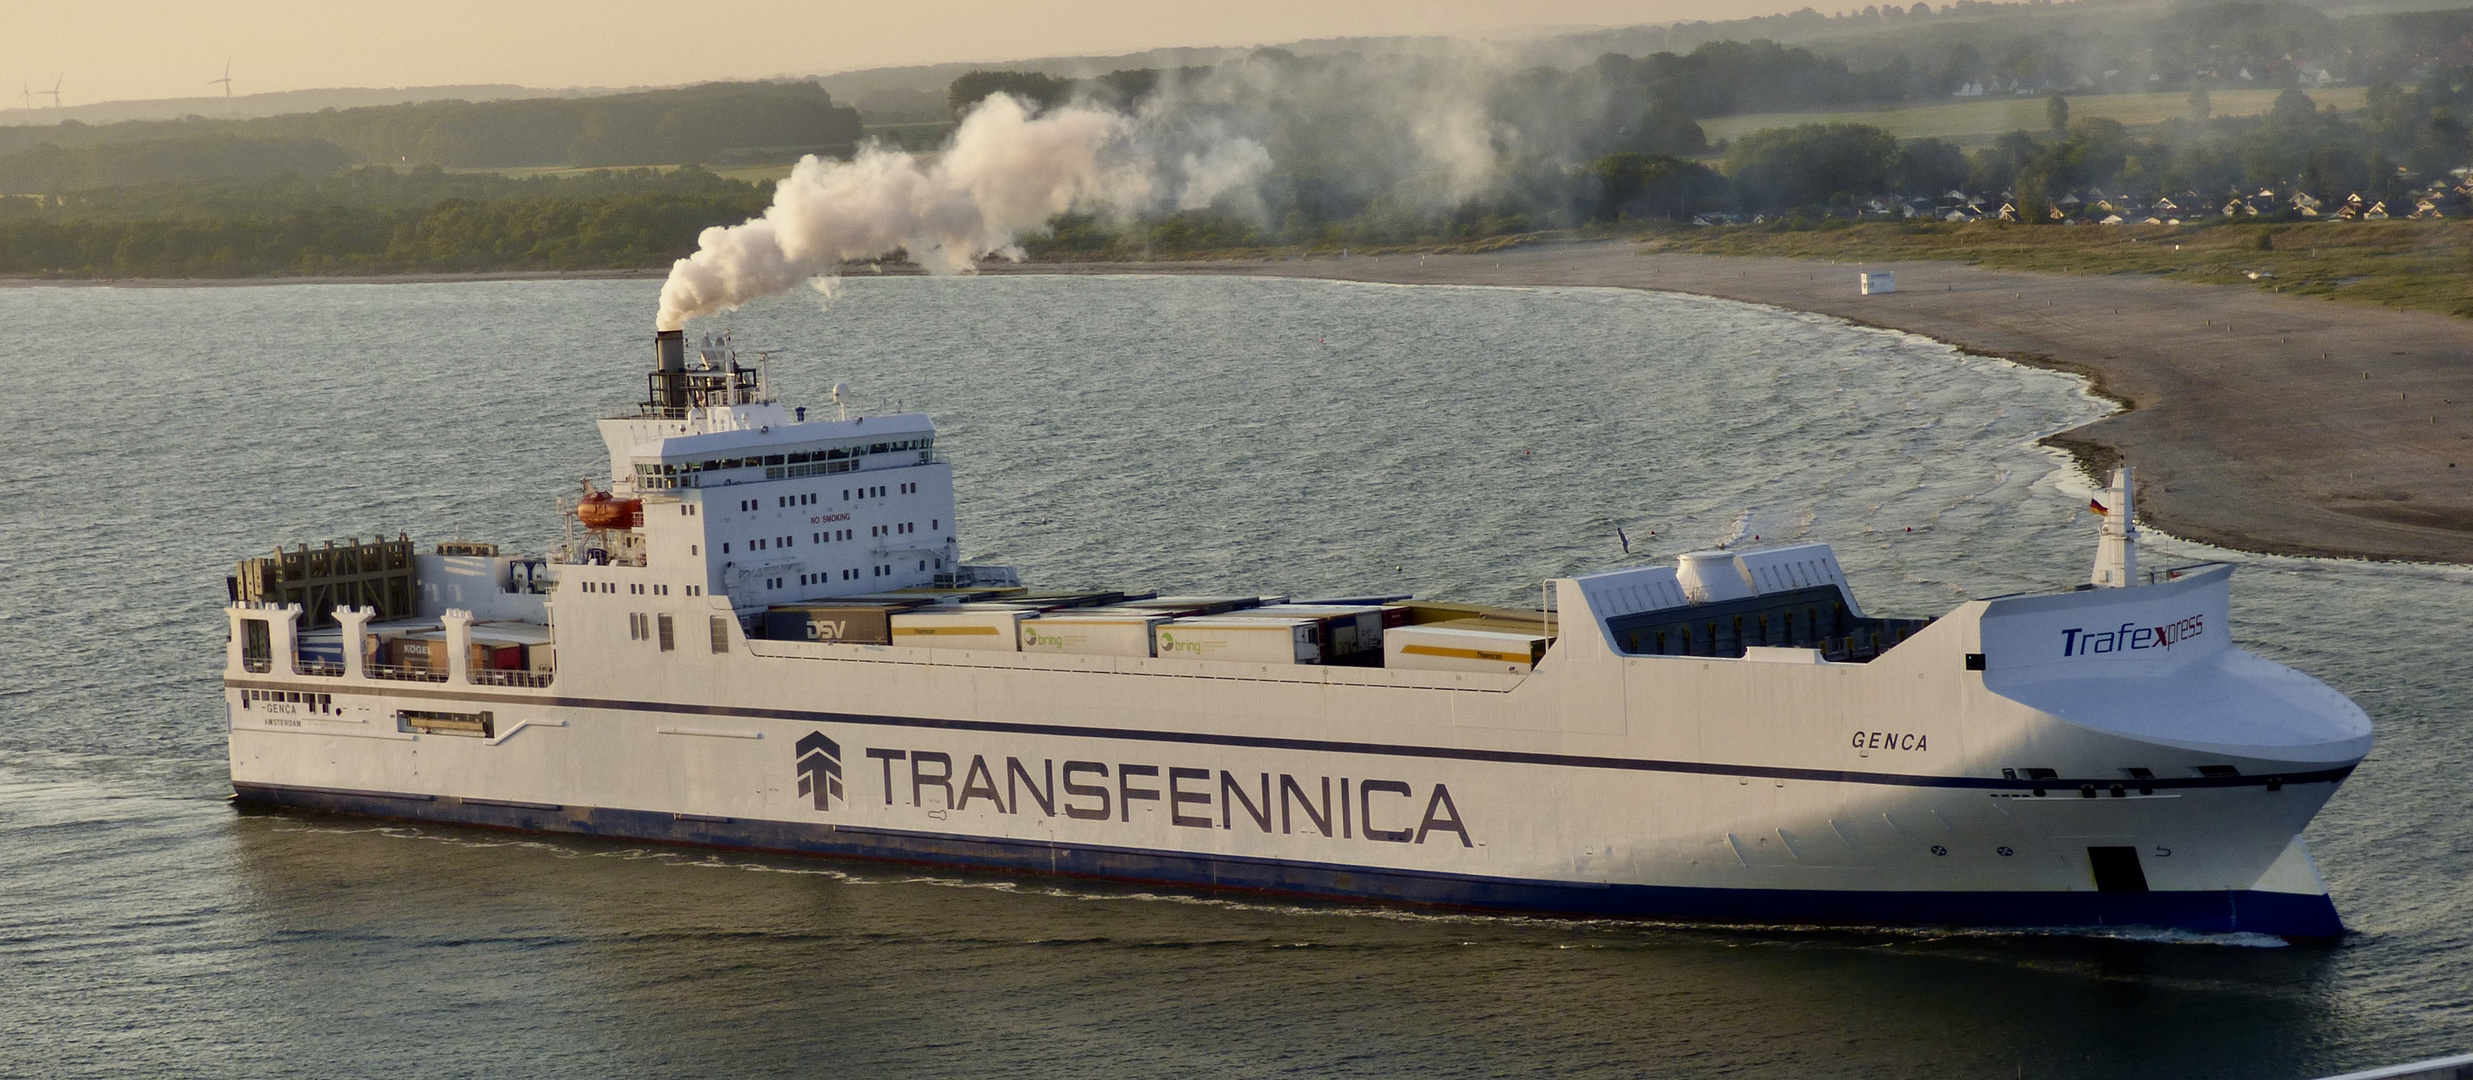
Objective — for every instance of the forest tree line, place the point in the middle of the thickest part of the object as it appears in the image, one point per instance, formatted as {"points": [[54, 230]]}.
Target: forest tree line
{"points": [[696, 124], [1613, 143], [372, 220]]}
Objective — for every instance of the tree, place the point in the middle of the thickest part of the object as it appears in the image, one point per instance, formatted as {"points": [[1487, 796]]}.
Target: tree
{"points": [[1033, 88], [1997, 166], [2200, 107], [2034, 200], [1928, 167], [2293, 107], [1649, 185], [48, 168], [1962, 63], [2097, 149], [1803, 165], [2056, 114]]}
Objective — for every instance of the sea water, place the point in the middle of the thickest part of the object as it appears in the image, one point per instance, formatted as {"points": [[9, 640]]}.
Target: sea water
{"points": [[1180, 434]]}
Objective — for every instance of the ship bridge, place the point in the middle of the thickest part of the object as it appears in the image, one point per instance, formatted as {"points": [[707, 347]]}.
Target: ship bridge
{"points": [[719, 490], [789, 452]]}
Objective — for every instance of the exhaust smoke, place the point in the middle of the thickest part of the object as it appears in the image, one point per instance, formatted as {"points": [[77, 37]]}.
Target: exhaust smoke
{"points": [[1005, 172], [1402, 135]]}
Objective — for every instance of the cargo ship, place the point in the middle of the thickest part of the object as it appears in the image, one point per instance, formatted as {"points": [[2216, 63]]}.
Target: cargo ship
{"points": [[759, 633]]}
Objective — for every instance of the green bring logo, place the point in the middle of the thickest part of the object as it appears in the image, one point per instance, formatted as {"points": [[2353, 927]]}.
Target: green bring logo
{"points": [[1168, 644]]}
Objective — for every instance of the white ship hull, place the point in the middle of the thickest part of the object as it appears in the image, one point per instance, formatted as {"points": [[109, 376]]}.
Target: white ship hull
{"points": [[1684, 787], [1661, 742]]}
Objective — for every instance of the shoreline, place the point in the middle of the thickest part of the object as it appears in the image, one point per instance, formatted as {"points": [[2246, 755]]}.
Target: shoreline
{"points": [[2257, 422]]}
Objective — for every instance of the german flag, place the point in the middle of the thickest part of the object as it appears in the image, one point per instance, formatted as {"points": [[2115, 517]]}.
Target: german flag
{"points": [[2098, 508]]}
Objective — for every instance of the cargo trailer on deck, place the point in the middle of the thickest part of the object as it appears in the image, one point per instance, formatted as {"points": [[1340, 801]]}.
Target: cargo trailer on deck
{"points": [[857, 623], [987, 626], [1250, 641], [1462, 646], [1092, 635]]}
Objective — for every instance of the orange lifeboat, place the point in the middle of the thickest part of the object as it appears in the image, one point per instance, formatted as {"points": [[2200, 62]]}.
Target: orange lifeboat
{"points": [[599, 510]]}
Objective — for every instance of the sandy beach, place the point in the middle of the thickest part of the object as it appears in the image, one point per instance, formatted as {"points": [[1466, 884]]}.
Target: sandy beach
{"points": [[2255, 421], [2258, 422]]}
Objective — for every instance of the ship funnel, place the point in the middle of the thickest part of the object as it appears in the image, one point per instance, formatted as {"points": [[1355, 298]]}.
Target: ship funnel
{"points": [[669, 378], [670, 350], [2116, 555]]}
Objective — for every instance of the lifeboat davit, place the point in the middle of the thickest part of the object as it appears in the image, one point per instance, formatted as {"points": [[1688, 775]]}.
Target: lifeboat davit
{"points": [[599, 510]]}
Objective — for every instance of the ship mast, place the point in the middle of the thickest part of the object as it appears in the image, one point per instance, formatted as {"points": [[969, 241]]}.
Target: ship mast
{"points": [[2116, 555]]}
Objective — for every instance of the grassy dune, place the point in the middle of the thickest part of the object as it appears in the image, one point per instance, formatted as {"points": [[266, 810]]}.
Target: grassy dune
{"points": [[2424, 265], [1982, 119]]}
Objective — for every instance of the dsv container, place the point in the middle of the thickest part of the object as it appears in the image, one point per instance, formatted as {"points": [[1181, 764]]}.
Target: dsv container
{"points": [[858, 624]]}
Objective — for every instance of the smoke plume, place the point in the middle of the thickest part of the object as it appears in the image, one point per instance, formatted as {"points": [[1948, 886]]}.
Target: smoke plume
{"points": [[1382, 143], [1413, 130], [1005, 172]]}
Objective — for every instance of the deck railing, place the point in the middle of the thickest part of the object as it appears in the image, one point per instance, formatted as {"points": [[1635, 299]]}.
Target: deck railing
{"points": [[406, 674], [496, 677]]}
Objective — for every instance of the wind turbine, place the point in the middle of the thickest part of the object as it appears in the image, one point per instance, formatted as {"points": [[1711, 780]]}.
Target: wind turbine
{"points": [[26, 92], [226, 80], [54, 91]]}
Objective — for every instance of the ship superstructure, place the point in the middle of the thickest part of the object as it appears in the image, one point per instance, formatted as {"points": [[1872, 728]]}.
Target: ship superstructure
{"points": [[760, 634]]}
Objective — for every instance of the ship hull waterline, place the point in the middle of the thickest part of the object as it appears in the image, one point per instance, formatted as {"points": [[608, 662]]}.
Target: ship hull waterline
{"points": [[1928, 819], [2297, 918]]}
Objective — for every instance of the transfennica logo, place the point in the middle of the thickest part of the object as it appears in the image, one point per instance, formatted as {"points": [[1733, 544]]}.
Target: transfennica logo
{"points": [[820, 770]]}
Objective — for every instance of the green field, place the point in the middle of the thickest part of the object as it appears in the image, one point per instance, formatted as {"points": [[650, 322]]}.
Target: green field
{"points": [[2417, 265], [916, 137], [751, 173], [1980, 120]]}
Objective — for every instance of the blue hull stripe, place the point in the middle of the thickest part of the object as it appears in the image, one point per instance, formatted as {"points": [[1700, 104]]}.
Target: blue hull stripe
{"points": [[2279, 914], [1517, 757]]}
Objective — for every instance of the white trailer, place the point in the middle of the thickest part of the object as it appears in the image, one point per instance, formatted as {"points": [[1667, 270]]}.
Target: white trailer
{"points": [[1092, 635], [1450, 647], [998, 630], [1243, 640]]}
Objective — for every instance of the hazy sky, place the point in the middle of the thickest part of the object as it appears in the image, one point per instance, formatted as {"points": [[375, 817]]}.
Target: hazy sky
{"points": [[119, 49]]}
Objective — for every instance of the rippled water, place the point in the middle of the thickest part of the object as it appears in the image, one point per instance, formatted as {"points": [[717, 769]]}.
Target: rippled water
{"points": [[1185, 434]]}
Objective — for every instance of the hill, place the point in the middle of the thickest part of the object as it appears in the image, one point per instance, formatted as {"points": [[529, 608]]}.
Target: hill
{"points": [[278, 103], [715, 122]]}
